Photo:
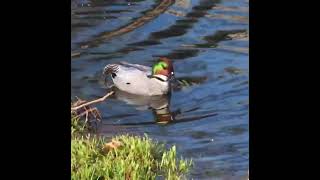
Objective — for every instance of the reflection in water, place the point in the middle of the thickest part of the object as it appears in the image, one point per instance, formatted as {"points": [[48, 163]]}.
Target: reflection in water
{"points": [[158, 104]]}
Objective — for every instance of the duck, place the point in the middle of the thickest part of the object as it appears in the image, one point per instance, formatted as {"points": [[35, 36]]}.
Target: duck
{"points": [[142, 80]]}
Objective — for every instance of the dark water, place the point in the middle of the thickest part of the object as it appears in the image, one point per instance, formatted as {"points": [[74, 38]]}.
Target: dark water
{"points": [[207, 40]]}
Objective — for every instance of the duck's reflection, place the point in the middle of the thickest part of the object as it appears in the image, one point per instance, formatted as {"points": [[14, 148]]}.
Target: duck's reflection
{"points": [[158, 104]]}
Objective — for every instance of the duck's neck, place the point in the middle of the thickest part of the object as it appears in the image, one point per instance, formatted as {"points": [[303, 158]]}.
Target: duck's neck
{"points": [[161, 77]]}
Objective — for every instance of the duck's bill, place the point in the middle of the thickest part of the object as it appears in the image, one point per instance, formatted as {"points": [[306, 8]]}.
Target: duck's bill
{"points": [[173, 79]]}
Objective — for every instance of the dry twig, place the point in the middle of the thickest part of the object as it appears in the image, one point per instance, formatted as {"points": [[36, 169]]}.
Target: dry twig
{"points": [[75, 108]]}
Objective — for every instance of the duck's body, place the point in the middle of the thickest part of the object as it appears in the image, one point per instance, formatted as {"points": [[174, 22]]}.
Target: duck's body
{"points": [[138, 79]]}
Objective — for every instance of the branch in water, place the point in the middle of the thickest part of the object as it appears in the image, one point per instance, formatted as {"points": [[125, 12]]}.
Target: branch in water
{"points": [[92, 102]]}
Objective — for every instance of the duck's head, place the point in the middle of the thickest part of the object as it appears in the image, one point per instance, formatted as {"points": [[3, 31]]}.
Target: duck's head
{"points": [[163, 68]]}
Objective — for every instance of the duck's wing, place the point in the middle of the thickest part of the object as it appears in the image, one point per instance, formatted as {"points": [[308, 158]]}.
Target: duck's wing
{"points": [[143, 68]]}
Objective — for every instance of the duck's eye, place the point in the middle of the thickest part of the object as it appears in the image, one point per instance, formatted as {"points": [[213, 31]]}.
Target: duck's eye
{"points": [[164, 66]]}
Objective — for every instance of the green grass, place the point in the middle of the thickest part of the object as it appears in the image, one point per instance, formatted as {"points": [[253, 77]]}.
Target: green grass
{"points": [[136, 158]]}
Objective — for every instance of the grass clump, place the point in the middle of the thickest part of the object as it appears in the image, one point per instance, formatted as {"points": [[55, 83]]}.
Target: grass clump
{"points": [[133, 157], [136, 158]]}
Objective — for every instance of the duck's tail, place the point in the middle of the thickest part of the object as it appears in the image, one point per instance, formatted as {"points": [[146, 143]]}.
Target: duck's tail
{"points": [[111, 68]]}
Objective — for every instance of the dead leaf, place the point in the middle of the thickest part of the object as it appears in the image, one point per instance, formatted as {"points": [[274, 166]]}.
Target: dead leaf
{"points": [[114, 144]]}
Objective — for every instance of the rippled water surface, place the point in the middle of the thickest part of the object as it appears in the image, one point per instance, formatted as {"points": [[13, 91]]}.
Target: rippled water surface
{"points": [[207, 119]]}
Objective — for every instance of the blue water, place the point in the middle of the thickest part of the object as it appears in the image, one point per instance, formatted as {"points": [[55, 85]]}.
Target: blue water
{"points": [[207, 40]]}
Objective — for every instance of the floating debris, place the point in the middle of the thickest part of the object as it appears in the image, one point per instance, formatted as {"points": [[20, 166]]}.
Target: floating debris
{"points": [[183, 3], [84, 46], [233, 70], [239, 35], [176, 13], [74, 54]]}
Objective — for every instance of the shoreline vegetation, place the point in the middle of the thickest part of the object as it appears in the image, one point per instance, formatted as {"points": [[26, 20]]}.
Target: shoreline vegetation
{"points": [[121, 157]]}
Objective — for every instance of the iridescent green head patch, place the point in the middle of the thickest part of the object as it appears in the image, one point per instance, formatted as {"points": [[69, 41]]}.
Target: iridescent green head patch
{"points": [[159, 66]]}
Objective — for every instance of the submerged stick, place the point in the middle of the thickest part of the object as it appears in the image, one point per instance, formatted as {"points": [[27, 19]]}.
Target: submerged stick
{"points": [[92, 102]]}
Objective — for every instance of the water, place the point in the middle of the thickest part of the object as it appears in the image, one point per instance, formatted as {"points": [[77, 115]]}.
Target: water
{"points": [[208, 43]]}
